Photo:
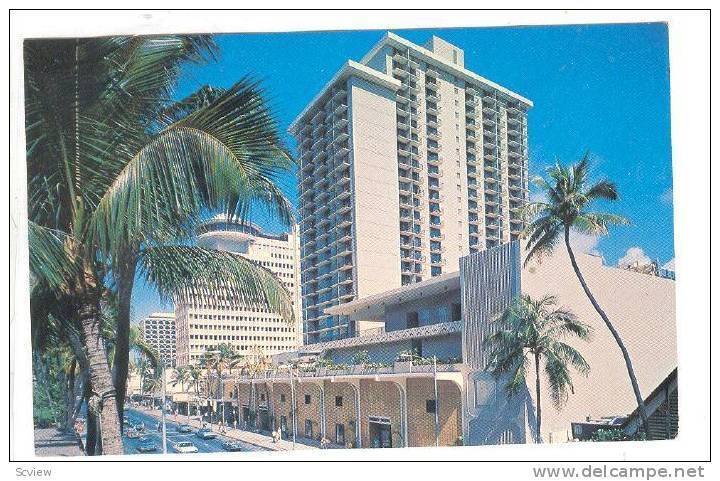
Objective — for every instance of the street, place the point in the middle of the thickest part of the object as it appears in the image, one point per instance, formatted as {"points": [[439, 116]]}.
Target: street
{"points": [[151, 433]]}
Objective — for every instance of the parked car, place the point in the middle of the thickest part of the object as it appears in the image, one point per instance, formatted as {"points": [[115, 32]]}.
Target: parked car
{"points": [[232, 446], [205, 434], [184, 428], [185, 447], [147, 447]]}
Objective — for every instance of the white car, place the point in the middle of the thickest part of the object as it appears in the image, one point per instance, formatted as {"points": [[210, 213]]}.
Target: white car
{"points": [[185, 447]]}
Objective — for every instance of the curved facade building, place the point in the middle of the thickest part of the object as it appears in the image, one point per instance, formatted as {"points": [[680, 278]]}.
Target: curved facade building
{"points": [[250, 330]]}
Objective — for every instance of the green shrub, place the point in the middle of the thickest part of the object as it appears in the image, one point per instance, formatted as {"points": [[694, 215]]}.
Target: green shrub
{"points": [[615, 434]]}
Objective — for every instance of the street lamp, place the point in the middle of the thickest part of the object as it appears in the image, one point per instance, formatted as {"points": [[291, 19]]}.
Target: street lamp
{"points": [[292, 406], [437, 404], [162, 407]]}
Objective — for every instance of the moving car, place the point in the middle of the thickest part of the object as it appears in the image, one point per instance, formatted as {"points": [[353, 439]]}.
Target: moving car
{"points": [[184, 428], [205, 434], [147, 447], [185, 447], [232, 446]]}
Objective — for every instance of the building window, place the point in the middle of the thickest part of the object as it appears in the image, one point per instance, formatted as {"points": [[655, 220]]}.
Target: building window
{"points": [[308, 429], [307, 399], [430, 406], [262, 397], [456, 312], [340, 434], [338, 401], [411, 320], [282, 398]]}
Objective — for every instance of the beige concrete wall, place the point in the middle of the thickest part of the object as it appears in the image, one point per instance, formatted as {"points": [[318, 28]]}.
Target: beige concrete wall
{"points": [[452, 163], [375, 183], [421, 424], [309, 411], [642, 309], [380, 399], [345, 414]]}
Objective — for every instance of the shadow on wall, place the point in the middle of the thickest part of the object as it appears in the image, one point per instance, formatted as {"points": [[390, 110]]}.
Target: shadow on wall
{"points": [[493, 417]]}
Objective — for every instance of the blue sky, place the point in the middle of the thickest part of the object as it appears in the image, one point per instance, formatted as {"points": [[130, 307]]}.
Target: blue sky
{"points": [[603, 89]]}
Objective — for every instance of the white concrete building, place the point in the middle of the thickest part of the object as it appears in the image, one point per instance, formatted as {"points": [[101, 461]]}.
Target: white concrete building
{"points": [[250, 330], [408, 161], [158, 330]]}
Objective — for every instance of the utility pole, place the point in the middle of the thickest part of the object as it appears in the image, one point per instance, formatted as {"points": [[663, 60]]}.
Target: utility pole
{"points": [[292, 406], [164, 427], [437, 403]]}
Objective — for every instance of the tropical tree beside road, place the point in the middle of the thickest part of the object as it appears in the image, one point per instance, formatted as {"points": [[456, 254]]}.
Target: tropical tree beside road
{"points": [[119, 176], [181, 376], [533, 333], [569, 195]]}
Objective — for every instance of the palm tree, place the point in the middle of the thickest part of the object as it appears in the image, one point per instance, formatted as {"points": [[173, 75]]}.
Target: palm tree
{"points": [[570, 195], [119, 176], [181, 376], [533, 331], [195, 379]]}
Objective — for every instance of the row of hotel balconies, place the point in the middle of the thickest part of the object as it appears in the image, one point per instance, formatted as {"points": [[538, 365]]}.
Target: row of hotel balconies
{"points": [[326, 209], [483, 114]]}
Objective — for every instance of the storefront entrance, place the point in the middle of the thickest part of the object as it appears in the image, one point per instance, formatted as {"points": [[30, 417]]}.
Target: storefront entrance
{"points": [[380, 432]]}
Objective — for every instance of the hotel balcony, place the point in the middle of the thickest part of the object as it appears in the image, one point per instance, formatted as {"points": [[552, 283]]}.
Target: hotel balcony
{"points": [[490, 122], [410, 100], [432, 98], [340, 110]]}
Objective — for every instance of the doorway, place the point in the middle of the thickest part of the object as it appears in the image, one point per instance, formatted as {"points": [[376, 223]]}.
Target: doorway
{"points": [[380, 433]]}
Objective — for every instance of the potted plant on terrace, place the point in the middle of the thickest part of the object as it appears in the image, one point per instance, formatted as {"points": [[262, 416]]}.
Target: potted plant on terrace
{"points": [[359, 362], [404, 361]]}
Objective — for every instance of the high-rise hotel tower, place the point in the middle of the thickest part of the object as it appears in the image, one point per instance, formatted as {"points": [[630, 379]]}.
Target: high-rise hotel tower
{"points": [[408, 161]]}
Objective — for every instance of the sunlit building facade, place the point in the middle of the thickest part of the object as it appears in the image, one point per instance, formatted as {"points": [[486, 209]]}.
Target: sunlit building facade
{"points": [[408, 161], [251, 330]]}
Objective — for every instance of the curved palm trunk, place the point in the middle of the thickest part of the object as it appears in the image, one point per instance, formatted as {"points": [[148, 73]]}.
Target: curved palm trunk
{"points": [[121, 362], [626, 356], [103, 392], [538, 436]]}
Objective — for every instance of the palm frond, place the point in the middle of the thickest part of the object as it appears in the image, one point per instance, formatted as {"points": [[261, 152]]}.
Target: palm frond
{"points": [[221, 157], [49, 260], [184, 273], [558, 377], [604, 190]]}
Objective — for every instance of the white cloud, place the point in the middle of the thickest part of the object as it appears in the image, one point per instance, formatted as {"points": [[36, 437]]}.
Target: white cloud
{"points": [[667, 196], [584, 243], [538, 197], [633, 255], [669, 265]]}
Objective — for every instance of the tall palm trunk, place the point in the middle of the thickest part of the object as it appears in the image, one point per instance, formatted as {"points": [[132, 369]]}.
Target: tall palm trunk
{"points": [[102, 398], [78, 398], [626, 356], [70, 391], [125, 277], [538, 436]]}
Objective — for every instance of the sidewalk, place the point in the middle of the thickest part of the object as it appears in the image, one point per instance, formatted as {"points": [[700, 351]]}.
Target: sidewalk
{"points": [[51, 442], [256, 439]]}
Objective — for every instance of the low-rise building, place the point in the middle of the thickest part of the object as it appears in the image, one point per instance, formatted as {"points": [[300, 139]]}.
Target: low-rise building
{"points": [[418, 376]]}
